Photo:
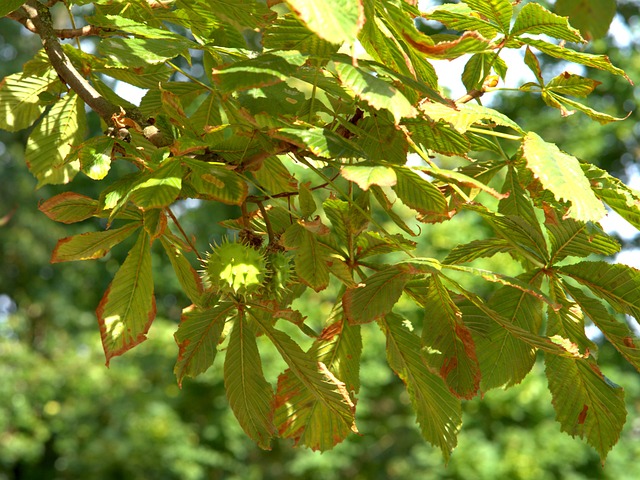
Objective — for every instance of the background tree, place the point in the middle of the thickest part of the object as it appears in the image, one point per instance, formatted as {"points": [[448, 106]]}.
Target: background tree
{"points": [[332, 125]]}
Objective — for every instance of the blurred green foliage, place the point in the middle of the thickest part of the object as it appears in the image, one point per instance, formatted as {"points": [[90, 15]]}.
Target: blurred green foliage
{"points": [[63, 415]]}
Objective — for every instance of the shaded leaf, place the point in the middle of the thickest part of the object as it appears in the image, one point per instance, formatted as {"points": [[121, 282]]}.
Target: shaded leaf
{"points": [[310, 259], [451, 349], [438, 412], [475, 249], [458, 16], [250, 395], [617, 284], [499, 11], [188, 277], [420, 194], [215, 182], [197, 337], [592, 17], [288, 33], [376, 297]]}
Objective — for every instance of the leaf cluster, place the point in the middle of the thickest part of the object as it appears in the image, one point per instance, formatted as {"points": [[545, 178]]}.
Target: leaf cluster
{"points": [[285, 88]]}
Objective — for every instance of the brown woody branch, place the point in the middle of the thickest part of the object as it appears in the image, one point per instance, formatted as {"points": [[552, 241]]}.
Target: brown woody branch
{"points": [[63, 33]]}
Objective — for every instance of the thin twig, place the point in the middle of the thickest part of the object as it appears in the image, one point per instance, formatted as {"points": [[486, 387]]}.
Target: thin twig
{"points": [[184, 234], [267, 223]]}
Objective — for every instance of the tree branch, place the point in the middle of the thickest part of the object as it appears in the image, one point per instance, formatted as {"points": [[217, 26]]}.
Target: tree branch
{"points": [[40, 16], [64, 33]]}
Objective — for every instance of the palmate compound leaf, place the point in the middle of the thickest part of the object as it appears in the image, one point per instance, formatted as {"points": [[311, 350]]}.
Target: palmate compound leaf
{"points": [[438, 411], [336, 21], [197, 338], [250, 395], [54, 136], [128, 307], [587, 404], [451, 350], [617, 284], [91, 245], [313, 407], [560, 173]]}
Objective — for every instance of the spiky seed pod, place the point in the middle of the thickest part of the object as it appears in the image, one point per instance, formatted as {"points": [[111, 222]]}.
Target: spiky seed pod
{"points": [[280, 274], [234, 268]]}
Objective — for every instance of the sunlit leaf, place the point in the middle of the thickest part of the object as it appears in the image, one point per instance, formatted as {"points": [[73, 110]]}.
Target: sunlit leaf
{"points": [[534, 19], [128, 307], [92, 245], [20, 103], [365, 175], [458, 16], [560, 173], [336, 21], [69, 207]]}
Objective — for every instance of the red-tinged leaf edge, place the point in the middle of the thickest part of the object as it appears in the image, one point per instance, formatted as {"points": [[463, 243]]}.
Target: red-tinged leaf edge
{"points": [[142, 336], [69, 207]]}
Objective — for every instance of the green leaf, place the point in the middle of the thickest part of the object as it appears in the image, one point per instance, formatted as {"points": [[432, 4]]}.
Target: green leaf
{"points": [[458, 16], [69, 207], [533, 63], [505, 359], [499, 11], [376, 92], [9, 6], [266, 69], [438, 412], [372, 243], [376, 297], [159, 188], [475, 249], [187, 276], [571, 84], [20, 103], [91, 245], [336, 21], [62, 128], [140, 52], [601, 62], [215, 182], [306, 201], [95, 156], [561, 174], [616, 331], [587, 404], [450, 348], [197, 338], [310, 259], [571, 238], [365, 175], [464, 116], [312, 407], [617, 284], [534, 19], [346, 220], [274, 176], [439, 137], [601, 118], [518, 203], [622, 199], [287, 33], [321, 142], [250, 395], [420, 194], [128, 307], [592, 17]]}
